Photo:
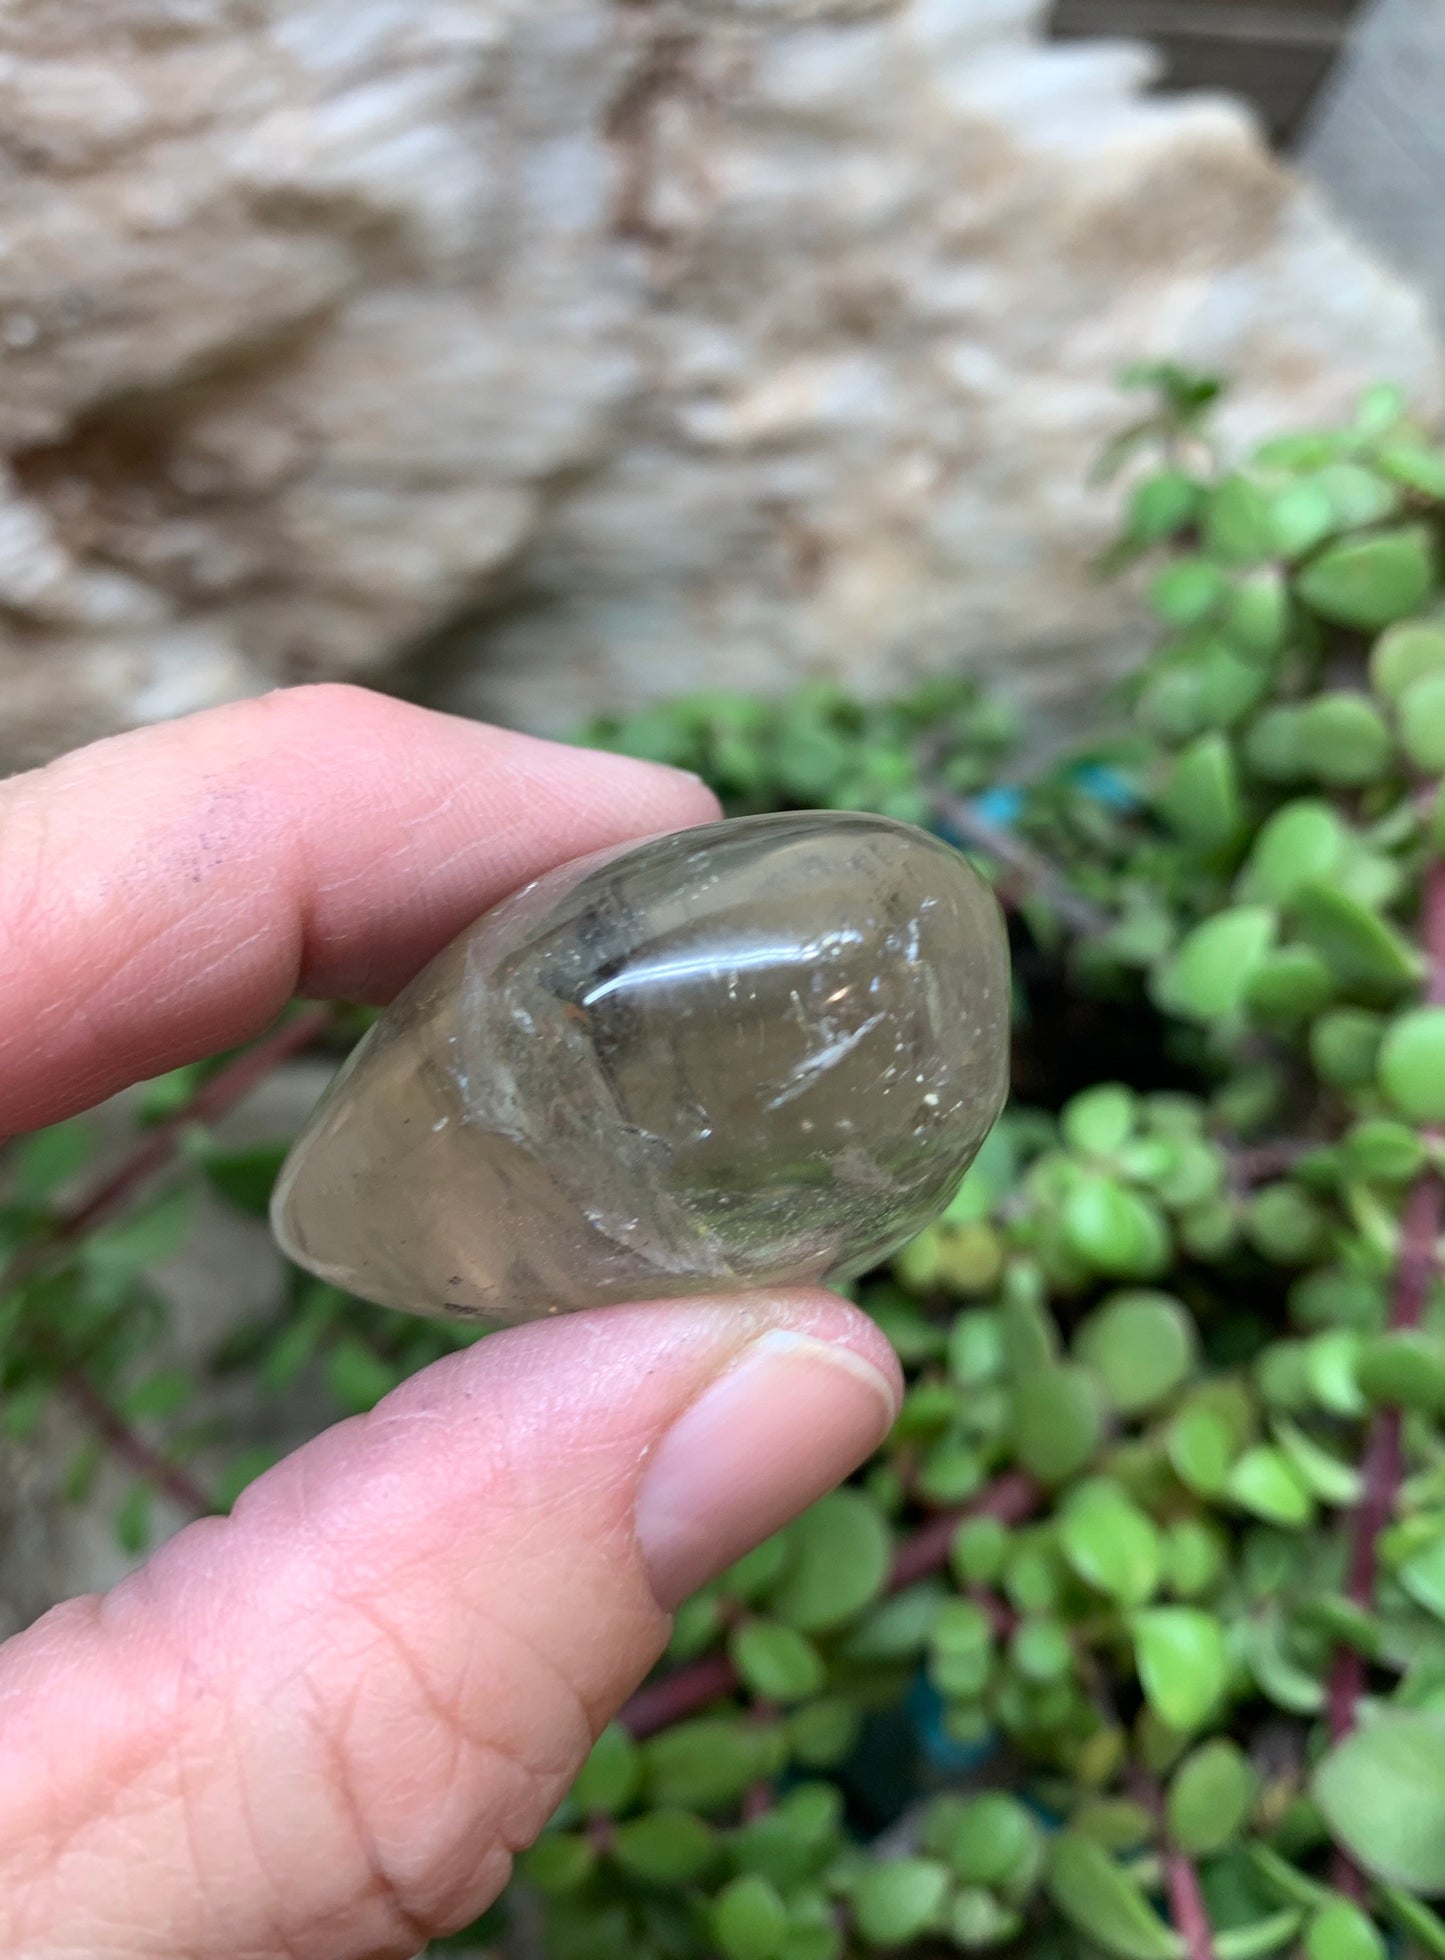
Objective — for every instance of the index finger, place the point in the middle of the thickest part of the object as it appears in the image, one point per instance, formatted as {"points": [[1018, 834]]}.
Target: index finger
{"points": [[163, 894]]}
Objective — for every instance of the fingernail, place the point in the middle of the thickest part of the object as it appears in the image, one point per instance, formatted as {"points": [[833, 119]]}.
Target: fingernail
{"points": [[788, 1420]]}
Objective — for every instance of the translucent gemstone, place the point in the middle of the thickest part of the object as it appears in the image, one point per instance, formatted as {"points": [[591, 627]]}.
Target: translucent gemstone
{"points": [[759, 1052]]}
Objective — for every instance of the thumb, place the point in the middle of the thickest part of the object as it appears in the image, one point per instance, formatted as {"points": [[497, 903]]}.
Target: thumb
{"points": [[319, 1728]]}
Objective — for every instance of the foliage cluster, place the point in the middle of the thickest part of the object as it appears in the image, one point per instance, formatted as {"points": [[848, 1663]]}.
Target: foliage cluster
{"points": [[1130, 1643]]}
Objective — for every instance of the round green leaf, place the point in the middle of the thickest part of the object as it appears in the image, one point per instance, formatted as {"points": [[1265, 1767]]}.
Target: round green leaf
{"points": [[1301, 842], [1416, 466], [1285, 1225], [1412, 1064], [1345, 1046], [896, 1902], [1112, 1545], [1403, 1369], [1183, 1664], [1421, 709], [665, 1847], [1209, 1797], [1383, 1151], [1040, 1651], [1058, 1421], [1101, 1120], [1258, 616], [776, 1662], [1407, 653], [558, 1862], [1187, 592], [1301, 516], [1340, 1931], [709, 1760], [1265, 1482], [1196, 1554], [1372, 581], [749, 1919], [1382, 1791], [840, 1553], [1141, 1345], [988, 1840], [1290, 985], [1202, 1449], [608, 1780], [1207, 978], [1237, 527], [1161, 505], [1273, 745], [1346, 740]]}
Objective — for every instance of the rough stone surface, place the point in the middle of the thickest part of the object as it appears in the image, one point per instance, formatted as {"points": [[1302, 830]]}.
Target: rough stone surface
{"points": [[654, 342]]}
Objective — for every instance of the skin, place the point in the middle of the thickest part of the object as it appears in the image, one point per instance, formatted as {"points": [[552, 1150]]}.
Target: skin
{"points": [[320, 1727]]}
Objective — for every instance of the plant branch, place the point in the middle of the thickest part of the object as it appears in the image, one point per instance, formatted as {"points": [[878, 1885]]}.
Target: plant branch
{"points": [[153, 1154], [1011, 1498], [1035, 871], [1181, 1880], [1415, 1262]]}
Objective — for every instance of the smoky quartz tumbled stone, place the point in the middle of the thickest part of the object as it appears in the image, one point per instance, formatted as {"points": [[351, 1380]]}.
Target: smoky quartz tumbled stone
{"points": [[758, 1052]]}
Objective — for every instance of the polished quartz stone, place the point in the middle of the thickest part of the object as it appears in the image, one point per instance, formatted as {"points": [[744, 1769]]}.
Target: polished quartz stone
{"points": [[759, 1052]]}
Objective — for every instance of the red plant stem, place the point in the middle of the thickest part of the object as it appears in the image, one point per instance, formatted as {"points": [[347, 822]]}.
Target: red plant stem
{"points": [[213, 1100], [132, 1448], [1415, 1262], [1010, 1498], [1181, 1880]]}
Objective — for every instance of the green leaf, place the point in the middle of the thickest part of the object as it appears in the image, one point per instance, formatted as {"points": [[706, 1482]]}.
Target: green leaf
{"points": [[1207, 978], [1423, 1577], [1237, 526], [1101, 1120], [776, 1662], [1382, 1791], [1301, 516], [1409, 652], [1330, 1480], [710, 1760], [1261, 1937], [1416, 466], [1202, 1449], [1280, 1677], [896, 1902], [749, 1920], [1112, 1545], [42, 1163], [558, 1862], [987, 1840], [356, 1376], [1369, 582], [1412, 1064], [1340, 1931], [1421, 710], [1162, 505], [608, 1781], [1346, 740], [1141, 1345], [1104, 1904], [1183, 1665], [244, 1177], [133, 1522], [1421, 1925], [146, 1237], [1115, 1230], [665, 1847], [1384, 1151], [1404, 1369], [1210, 1797], [1265, 1482], [1058, 1421], [1185, 593], [1345, 1046], [1364, 952], [839, 1557], [1302, 842], [1289, 986]]}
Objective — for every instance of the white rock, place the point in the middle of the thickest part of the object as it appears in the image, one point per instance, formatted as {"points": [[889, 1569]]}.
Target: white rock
{"points": [[629, 348]]}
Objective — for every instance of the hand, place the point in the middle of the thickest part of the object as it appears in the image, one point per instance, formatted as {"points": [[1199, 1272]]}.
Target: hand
{"points": [[320, 1727]]}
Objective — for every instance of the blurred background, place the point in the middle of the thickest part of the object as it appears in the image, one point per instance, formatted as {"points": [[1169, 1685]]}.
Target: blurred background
{"points": [[541, 357]]}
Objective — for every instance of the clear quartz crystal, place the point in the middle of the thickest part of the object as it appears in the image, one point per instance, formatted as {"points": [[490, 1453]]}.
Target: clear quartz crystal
{"points": [[761, 1052]]}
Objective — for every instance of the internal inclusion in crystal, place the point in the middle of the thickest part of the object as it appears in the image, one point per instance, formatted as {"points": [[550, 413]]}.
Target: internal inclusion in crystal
{"points": [[760, 1052]]}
